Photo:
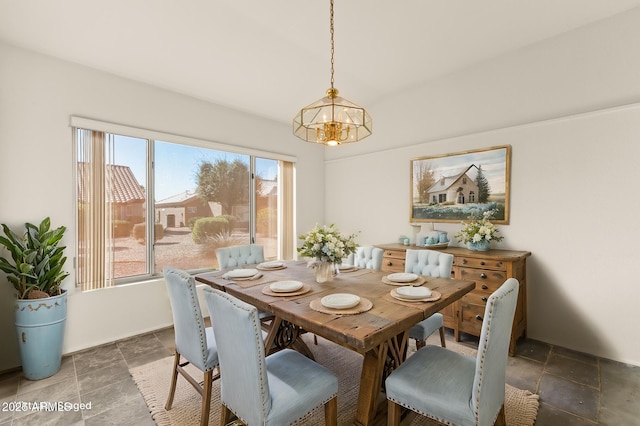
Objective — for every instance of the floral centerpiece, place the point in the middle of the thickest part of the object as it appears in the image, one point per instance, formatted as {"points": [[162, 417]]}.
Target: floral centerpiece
{"points": [[327, 247], [478, 233]]}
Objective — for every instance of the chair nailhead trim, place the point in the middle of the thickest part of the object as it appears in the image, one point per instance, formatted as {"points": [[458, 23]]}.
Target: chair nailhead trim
{"points": [[484, 353]]}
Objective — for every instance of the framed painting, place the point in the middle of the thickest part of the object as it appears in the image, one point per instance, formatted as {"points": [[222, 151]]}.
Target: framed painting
{"points": [[462, 185]]}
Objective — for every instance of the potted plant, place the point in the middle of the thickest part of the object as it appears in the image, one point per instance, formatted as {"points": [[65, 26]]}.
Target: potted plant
{"points": [[478, 234], [35, 269]]}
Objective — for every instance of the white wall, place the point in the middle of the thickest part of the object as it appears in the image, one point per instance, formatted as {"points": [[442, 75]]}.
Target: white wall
{"points": [[569, 206], [38, 94], [584, 70], [573, 199]]}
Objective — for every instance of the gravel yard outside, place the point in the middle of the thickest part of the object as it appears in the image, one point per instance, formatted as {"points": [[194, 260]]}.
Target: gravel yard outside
{"points": [[176, 249]]}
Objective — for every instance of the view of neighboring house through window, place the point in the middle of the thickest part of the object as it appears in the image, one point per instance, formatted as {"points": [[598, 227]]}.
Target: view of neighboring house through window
{"points": [[144, 204]]}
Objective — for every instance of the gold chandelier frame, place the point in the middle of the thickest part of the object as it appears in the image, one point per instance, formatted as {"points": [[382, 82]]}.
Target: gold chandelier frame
{"points": [[332, 120]]}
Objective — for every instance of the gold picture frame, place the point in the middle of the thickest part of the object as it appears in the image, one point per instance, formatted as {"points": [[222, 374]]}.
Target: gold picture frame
{"points": [[458, 186]]}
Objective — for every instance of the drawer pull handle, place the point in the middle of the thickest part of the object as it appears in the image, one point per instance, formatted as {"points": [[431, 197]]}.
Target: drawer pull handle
{"points": [[389, 263], [464, 261], [484, 287], [482, 262], [478, 317], [484, 299], [483, 275]]}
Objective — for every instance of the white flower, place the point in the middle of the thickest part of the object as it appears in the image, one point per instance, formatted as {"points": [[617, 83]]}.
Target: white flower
{"points": [[478, 230], [326, 244]]}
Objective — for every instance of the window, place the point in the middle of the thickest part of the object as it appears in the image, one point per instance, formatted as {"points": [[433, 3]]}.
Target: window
{"points": [[149, 202], [472, 197], [442, 198]]}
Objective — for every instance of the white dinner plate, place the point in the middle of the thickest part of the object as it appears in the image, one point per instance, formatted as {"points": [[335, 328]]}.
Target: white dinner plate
{"points": [[272, 264], [241, 273], [347, 267], [285, 286], [409, 292], [402, 277], [340, 301]]}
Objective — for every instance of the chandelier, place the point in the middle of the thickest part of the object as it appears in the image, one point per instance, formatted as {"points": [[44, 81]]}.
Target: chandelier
{"points": [[332, 120]]}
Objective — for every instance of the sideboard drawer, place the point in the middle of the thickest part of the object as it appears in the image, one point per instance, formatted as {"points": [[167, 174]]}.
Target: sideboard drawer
{"points": [[475, 297], [392, 265], [393, 260], [486, 279], [471, 317], [472, 262], [395, 254]]}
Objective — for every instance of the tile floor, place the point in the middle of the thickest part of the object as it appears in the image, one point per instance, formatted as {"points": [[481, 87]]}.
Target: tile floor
{"points": [[575, 389]]}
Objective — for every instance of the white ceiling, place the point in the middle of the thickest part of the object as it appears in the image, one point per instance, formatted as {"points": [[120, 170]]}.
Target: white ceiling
{"points": [[271, 58]]}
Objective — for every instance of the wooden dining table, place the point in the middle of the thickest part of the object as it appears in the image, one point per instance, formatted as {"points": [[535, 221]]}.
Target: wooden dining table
{"points": [[380, 333]]}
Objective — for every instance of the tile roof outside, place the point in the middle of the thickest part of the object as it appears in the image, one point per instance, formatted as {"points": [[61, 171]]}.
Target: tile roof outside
{"points": [[122, 185]]}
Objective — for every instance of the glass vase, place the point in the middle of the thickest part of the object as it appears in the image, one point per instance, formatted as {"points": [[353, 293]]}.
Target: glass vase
{"points": [[324, 272]]}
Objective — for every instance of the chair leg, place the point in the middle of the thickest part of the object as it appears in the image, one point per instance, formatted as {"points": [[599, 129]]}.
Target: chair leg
{"points": [[206, 398], [225, 415], [501, 420], [442, 342], [393, 413], [174, 379], [420, 344], [331, 412]]}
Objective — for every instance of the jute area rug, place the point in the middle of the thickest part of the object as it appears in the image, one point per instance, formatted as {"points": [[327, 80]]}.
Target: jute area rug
{"points": [[153, 379]]}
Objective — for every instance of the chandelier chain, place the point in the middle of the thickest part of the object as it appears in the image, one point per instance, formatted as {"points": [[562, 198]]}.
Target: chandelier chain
{"points": [[332, 45]]}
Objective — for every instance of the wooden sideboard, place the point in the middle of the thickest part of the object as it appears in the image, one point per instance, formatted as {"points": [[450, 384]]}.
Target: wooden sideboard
{"points": [[489, 269]]}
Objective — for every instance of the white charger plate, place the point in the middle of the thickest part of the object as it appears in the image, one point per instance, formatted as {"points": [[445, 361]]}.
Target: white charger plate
{"points": [[285, 286], [402, 277], [272, 264], [409, 292], [241, 273], [340, 301]]}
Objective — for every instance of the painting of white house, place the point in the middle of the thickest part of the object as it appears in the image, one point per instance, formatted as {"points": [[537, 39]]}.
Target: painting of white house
{"points": [[461, 186]]}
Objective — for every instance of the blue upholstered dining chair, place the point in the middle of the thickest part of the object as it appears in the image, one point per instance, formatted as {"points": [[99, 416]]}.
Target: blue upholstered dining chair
{"points": [[434, 264], [368, 257], [194, 342], [232, 256], [454, 388], [274, 390]]}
